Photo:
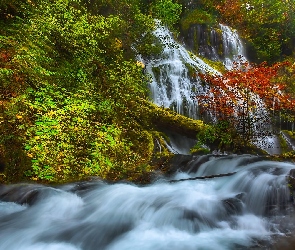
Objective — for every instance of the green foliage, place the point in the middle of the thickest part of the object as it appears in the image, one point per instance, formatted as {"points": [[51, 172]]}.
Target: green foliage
{"points": [[167, 11], [67, 78], [196, 16], [219, 136]]}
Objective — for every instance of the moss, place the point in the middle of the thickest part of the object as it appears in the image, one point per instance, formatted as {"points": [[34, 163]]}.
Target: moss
{"points": [[217, 65], [200, 150], [283, 144], [191, 69], [290, 133], [158, 118], [160, 147], [157, 72]]}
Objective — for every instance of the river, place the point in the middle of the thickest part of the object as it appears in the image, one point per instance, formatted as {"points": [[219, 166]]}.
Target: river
{"points": [[249, 209]]}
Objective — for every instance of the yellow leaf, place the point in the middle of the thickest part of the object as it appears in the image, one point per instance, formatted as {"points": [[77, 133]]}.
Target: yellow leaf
{"points": [[140, 64], [30, 155]]}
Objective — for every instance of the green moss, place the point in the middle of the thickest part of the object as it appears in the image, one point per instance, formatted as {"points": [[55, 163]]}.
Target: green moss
{"points": [[290, 133], [217, 65], [160, 147], [156, 71], [157, 117], [283, 144], [200, 150], [191, 69]]}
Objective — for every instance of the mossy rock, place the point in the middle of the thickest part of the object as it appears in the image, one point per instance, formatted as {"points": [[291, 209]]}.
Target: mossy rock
{"points": [[163, 118]]}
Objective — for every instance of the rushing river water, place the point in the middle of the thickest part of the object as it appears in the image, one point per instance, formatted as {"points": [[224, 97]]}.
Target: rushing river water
{"points": [[249, 209]]}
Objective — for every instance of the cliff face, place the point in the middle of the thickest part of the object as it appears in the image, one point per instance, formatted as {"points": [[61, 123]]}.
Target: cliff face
{"points": [[215, 42], [204, 40]]}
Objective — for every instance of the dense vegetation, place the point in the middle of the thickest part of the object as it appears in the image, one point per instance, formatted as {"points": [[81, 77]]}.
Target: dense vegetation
{"points": [[268, 29], [74, 99], [68, 78], [268, 26]]}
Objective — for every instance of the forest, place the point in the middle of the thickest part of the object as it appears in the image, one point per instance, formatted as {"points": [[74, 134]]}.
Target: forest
{"points": [[75, 98]]}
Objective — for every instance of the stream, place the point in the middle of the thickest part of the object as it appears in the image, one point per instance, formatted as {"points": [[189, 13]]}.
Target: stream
{"points": [[250, 209]]}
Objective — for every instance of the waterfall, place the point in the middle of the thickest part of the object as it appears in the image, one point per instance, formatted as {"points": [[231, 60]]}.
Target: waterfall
{"points": [[233, 49], [248, 209], [217, 43], [175, 83]]}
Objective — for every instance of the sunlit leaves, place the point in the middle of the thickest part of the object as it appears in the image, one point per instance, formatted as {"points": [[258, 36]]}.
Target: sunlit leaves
{"points": [[167, 11], [69, 76]]}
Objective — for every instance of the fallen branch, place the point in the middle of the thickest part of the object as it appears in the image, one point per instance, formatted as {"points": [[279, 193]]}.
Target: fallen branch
{"points": [[203, 177]]}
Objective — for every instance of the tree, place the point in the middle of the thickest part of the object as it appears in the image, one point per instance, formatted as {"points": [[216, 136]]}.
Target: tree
{"points": [[267, 25], [249, 96], [167, 11]]}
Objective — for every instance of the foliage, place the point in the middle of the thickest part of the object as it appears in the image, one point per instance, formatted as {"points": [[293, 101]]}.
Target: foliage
{"points": [[269, 26], [68, 75], [196, 16], [243, 95], [219, 136], [167, 11], [67, 141]]}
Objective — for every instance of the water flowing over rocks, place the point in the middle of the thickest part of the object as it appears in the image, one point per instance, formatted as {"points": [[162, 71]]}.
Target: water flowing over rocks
{"points": [[217, 43], [250, 209], [176, 83]]}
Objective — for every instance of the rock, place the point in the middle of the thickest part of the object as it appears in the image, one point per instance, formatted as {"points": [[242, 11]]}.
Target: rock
{"points": [[20, 193], [179, 163], [291, 183]]}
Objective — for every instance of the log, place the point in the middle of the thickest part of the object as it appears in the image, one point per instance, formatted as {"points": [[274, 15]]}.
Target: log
{"points": [[203, 177]]}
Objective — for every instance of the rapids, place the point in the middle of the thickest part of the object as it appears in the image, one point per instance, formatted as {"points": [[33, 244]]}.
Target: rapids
{"points": [[248, 209]]}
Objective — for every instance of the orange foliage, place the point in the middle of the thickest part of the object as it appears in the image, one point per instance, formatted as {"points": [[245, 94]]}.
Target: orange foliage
{"points": [[232, 94], [231, 11]]}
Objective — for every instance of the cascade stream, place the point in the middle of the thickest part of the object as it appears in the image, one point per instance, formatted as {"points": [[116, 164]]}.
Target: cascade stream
{"points": [[249, 209], [176, 85]]}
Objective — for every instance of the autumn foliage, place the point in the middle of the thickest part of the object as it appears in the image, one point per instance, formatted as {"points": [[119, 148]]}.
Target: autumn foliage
{"points": [[248, 96]]}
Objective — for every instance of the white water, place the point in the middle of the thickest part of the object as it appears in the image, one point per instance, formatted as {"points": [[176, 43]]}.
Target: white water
{"points": [[175, 82], [233, 212], [172, 85], [233, 49], [176, 85]]}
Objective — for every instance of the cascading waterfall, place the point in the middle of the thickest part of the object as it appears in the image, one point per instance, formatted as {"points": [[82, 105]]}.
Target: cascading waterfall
{"points": [[176, 85], [174, 82], [233, 49], [244, 210]]}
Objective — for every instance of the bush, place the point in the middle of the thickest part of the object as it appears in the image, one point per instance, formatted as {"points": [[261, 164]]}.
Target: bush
{"points": [[167, 11]]}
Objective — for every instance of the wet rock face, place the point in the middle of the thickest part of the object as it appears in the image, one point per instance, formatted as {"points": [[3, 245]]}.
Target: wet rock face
{"points": [[204, 40], [20, 194], [179, 163], [291, 180]]}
